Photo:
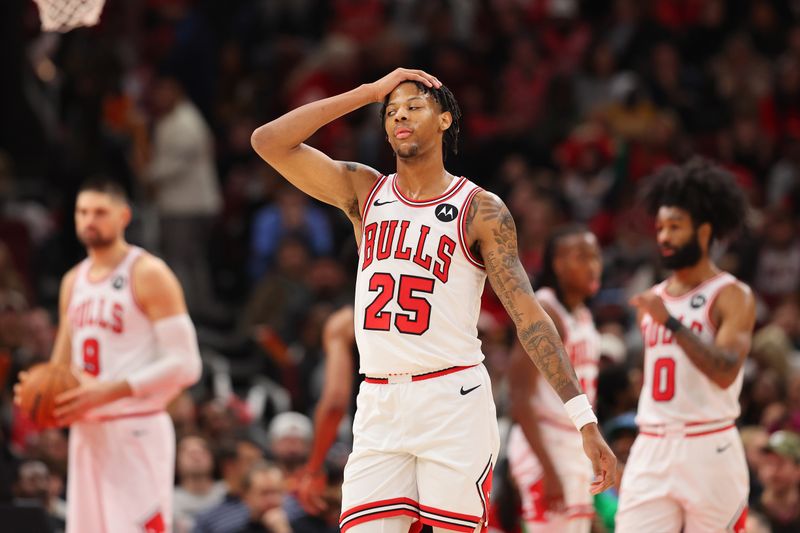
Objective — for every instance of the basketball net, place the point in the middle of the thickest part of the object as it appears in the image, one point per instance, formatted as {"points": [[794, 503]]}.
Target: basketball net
{"points": [[64, 15]]}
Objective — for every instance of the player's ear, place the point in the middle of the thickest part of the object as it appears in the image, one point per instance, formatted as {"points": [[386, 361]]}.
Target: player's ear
{"points": [[445, 119], [704, 232], [127, 215]]}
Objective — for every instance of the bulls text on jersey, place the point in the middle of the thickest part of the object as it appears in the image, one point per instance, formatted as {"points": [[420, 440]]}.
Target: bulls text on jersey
{"points": [[400, 239]]}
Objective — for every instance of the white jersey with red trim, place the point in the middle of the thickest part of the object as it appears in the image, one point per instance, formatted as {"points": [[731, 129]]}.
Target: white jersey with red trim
{"points": [[674, 390], [582, 344], [418, 288], [111, 335]]}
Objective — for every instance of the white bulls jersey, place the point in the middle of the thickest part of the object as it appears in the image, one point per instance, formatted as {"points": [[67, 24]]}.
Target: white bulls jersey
{"points": [[582, 344], [674, 390], [111, 336], [418, 287]]}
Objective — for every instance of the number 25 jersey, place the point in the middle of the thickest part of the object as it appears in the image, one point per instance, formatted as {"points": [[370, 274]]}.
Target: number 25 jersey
{"points": [[418, 287], [674, 390]]}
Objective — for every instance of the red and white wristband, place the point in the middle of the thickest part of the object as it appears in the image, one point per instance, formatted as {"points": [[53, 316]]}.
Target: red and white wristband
{"points": [[580, 411]]}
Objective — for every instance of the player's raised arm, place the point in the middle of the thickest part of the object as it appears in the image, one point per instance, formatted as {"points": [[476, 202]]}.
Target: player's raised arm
{"points": [[342, 184], [721, 360], [492, 232]]}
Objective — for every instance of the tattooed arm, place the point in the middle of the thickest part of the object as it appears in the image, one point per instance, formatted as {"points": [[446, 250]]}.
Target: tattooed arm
{"points": [[492, 236], [342, 184], [734, 311]]}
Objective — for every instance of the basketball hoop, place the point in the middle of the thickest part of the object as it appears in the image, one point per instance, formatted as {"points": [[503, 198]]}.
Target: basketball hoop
{"points": [[65, 15]]}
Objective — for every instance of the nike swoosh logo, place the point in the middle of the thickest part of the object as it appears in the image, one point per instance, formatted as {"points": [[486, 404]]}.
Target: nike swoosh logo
{"points": [[721, 449], [378, 203], [465, 392]]}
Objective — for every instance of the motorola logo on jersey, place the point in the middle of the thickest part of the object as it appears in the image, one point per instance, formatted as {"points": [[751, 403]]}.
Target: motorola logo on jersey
{"points": [[118, 282], [446, 212], [698, 300]]}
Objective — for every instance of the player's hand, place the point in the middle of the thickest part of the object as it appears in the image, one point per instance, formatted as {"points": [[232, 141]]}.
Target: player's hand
{"points": [[552, 492], [311, 492], [276, 521], [379, 89], [22, 377], [71, 405], [651, 303], [604, 463]]}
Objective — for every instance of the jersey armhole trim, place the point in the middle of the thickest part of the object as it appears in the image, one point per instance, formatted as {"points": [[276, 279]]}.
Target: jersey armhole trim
{"points": [[372, 192], [462, 234], [136, 302], [710, 307]]}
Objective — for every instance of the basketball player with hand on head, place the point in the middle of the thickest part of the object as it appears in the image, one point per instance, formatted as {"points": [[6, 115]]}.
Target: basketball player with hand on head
{"points": [[544, 450], [687, 469], [425, 429], [123, 321]]}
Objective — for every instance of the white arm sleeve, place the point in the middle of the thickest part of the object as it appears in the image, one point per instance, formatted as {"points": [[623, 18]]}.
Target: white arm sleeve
{"points": [[179, 363]]}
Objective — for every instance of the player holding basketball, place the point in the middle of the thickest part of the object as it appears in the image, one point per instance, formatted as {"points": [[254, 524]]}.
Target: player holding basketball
{"points": [[425, 430], [123, 320], [687, 469], [544, 450]]}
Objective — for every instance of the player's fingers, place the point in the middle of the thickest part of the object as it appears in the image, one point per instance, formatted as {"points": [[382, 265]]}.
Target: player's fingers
{"points": [[68, 396], [597, 485], [428, 79]]}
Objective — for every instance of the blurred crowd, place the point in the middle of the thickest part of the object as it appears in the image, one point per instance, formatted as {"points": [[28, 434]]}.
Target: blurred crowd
{"points": [[568, 106]]}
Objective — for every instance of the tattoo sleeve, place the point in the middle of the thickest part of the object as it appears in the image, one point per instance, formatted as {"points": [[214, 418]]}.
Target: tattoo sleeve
{"points": [[510, 282], [713, 361]]}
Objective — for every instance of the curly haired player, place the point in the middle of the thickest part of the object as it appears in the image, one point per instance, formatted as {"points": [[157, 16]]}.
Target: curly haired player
{"points": [[687, 469]]}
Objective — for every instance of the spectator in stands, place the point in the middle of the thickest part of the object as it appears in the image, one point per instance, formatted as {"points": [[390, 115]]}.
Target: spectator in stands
{"points": [[290, 437], [780, 475], [196, 491], [235, 460], [32, 488], [182, 178], [263, 492]]}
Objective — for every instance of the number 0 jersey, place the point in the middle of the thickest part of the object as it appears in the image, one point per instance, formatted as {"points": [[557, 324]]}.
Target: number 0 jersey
{"points": [[674, 390], [418, 288]]}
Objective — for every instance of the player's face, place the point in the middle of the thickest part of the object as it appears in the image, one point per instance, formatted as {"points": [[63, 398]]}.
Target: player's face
{"points": [[677, 238], [413, 121], [579, 264], [100, 219]]}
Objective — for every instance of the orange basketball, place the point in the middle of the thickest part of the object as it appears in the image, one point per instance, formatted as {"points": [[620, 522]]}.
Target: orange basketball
{"points": [[45, 382]]}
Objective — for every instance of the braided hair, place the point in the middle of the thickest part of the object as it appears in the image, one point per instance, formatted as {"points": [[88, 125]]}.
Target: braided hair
{"points": [[447, 102]]}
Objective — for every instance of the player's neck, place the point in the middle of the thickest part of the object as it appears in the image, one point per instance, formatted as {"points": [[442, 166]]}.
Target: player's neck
{"points": [[571, 300], [108, 256], [422, 177], [694, 275]]}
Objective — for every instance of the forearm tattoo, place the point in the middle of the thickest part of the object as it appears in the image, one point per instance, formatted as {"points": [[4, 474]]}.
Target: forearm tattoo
{"points": [[711, 360], [511, 284]]}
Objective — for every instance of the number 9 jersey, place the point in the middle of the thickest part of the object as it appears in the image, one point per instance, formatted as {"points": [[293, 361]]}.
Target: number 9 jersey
{"points": [[674, 389], [418, 288]]}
